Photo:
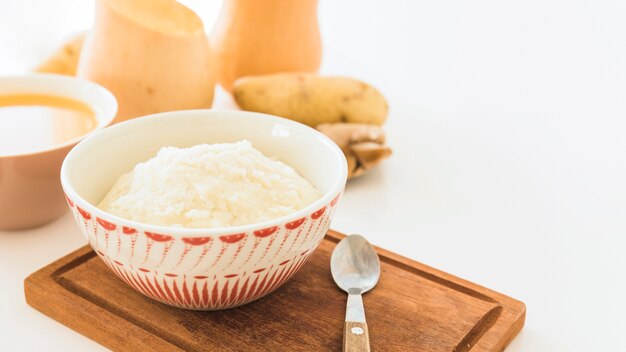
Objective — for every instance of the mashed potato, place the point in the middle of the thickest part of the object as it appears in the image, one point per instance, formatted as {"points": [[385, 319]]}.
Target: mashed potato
{"points": [[217, 185]]}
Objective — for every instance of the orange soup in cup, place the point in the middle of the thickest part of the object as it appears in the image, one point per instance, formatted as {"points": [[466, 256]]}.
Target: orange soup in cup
{"points": [[42, 116], [31, 122]]}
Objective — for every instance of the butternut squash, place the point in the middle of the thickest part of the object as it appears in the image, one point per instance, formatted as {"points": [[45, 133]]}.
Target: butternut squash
{"points": [[65, 59], [253, 37], [153, 55]]}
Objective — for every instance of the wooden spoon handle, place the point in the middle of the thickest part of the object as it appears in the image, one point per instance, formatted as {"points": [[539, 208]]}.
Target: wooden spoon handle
{"points": [[355, 337]]}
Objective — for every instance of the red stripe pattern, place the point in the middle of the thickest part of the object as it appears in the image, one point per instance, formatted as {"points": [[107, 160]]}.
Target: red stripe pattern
{"points": [[205, 272]]}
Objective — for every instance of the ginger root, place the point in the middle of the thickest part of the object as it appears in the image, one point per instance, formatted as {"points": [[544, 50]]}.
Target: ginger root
{"points": [[65, 60], [363, 144]]}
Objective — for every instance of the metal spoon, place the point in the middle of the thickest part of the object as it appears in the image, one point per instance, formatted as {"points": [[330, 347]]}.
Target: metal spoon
{"points": [[356, 269]]}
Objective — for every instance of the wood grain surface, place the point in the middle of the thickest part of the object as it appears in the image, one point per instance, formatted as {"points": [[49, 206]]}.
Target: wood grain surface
{"points": [[413, 308]]}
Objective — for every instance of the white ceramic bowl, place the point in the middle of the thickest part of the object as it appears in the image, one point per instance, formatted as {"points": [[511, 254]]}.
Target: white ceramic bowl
{"points": [[202, 268]]}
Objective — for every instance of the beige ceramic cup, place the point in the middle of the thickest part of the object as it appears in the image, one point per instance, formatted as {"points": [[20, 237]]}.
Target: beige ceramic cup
{"points": [[30, 186]]}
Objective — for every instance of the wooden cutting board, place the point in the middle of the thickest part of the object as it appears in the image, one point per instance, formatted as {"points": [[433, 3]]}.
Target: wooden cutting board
{"points": [[413, 308]]}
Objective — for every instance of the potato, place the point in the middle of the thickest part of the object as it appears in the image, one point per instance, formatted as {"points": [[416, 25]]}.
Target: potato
{"points": [[312, 99], [65, 60]]}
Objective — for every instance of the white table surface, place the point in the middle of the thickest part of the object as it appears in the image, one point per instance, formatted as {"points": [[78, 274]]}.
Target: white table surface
{"points": [[508, 124]]}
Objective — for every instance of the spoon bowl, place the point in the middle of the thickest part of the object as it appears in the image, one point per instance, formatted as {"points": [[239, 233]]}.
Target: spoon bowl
{"points": [[355, 267]]}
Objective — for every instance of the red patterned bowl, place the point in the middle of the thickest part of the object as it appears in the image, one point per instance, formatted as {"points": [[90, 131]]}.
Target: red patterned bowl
{"points": [[204, 269]]}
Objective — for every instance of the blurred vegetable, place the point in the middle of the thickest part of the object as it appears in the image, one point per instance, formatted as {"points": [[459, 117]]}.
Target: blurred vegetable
{"points": [[152, 55], [253, 37], [312, 99], [65, 60], [363, 145]]}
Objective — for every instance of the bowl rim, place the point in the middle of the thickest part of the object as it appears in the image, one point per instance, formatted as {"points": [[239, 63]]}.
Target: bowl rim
{"points": [[327, 198], [65, 79]]}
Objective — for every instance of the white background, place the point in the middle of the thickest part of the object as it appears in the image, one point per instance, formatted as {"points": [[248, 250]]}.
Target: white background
{"points": [[508, 122]]}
